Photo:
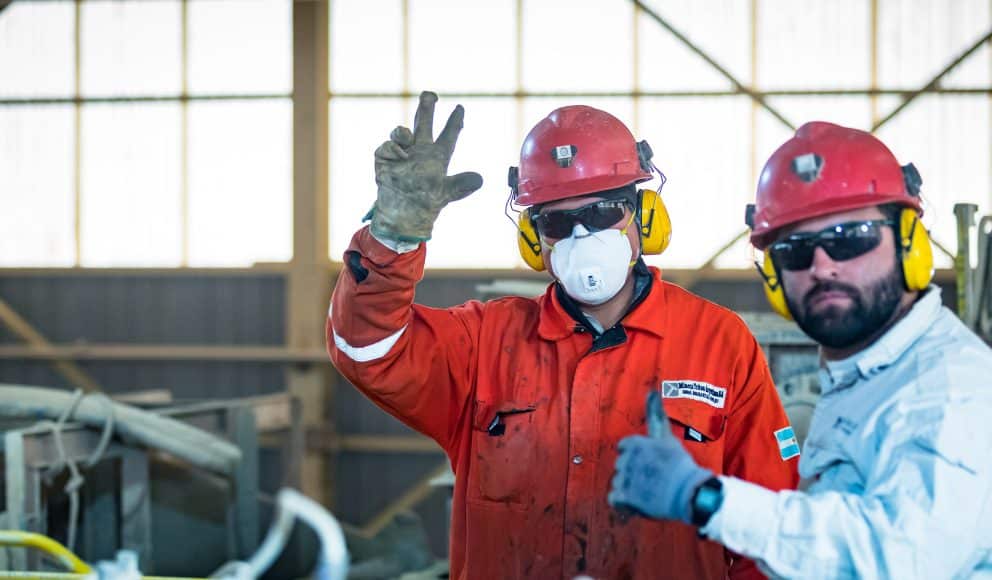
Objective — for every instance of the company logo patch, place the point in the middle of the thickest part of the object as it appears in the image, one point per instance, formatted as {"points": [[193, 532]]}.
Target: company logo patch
{"points": [[788, 447], [696, 390]]}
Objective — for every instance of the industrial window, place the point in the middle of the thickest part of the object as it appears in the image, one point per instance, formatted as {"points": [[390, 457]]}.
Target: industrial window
{"points": [[36, 182], [130, 186], [510, 62], [145, 133], [154, 133], [577, 45]]}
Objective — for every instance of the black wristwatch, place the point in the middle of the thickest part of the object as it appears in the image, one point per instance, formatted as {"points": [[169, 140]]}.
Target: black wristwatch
{"points": [[705, 501]]}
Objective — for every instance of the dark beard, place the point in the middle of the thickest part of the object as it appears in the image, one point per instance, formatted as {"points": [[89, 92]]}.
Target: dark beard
{"points": [[837, 328]]}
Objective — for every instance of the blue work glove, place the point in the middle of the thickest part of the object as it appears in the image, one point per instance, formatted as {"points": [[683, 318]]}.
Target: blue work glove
{"points": [[655, 476]]}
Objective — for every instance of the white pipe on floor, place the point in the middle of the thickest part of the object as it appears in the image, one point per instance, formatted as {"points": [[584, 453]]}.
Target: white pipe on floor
{"points": [[175, 437]]}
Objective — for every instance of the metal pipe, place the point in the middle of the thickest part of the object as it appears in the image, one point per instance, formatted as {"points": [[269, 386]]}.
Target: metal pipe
{"points": [[182, 440], [53, 549], [982, 283], [332, 563], [964, 213]]}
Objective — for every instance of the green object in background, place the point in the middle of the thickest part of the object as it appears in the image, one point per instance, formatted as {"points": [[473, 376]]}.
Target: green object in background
{"points": [[965, 215]]}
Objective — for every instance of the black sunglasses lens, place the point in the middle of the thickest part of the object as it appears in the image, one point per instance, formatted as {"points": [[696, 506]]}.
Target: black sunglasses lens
{"points": [[601, 216], [598, 216], [554, 224], [841, 242], [852, 240], [796, 254]]}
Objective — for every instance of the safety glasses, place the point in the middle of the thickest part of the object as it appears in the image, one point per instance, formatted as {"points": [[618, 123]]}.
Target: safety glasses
{"points": [[601, 215], [840, 242]]}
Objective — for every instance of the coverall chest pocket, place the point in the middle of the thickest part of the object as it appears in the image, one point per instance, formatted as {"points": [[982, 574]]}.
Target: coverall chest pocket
{"points": [[701, 430], [504, 444]]}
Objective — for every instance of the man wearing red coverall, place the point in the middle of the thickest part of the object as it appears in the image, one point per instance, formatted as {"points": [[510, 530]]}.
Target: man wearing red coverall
{"points": [[529, 396]]}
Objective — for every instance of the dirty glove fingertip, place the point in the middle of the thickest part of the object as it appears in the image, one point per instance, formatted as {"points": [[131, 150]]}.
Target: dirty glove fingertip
{"points": [[463, 184]]}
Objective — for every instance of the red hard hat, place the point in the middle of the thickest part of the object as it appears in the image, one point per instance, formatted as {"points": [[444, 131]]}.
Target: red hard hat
{"points": [[826, 169], [576, 151]]}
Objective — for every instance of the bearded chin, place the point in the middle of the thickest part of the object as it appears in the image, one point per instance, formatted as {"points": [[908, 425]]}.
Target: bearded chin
{"points": [[870, 310]]}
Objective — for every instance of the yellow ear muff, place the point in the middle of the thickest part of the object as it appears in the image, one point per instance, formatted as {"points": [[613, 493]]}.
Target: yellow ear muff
{"points": [[915, 251], [529, 242], [656, 225], [774, 291]]}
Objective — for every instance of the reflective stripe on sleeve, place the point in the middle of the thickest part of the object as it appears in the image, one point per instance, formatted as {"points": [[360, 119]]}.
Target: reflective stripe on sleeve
{"points": [[374, 351]]}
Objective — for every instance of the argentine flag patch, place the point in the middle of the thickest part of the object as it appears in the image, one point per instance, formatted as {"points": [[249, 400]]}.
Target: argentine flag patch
{"points": [[788, 447]]}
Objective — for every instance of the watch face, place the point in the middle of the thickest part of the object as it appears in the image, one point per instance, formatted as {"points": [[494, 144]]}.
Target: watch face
{"points": [[708, 499]]}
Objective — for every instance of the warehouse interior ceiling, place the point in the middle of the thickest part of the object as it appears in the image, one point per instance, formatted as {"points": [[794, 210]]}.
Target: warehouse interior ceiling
{"points": [[157, 124]]}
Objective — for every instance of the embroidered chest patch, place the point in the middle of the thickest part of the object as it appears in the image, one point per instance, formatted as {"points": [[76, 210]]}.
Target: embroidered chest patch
{"points": [[788, 446], [712, 395]]}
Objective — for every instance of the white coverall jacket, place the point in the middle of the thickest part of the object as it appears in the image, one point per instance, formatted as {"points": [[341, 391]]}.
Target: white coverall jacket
{"points": [[898, 461]]}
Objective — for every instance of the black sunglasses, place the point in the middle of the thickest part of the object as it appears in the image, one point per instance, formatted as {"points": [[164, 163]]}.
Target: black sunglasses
{"points": [[597, 216], [840, 242]]}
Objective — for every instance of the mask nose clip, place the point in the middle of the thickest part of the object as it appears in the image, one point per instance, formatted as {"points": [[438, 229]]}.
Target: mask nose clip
{"points": [[579, 231]]}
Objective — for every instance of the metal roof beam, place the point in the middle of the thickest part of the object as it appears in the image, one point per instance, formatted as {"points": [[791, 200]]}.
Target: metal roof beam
{"points": [[932, 86], [738, 85]]}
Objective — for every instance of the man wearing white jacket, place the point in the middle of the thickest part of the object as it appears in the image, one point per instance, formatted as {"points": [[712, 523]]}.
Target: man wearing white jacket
{"points": [[898, 461]]}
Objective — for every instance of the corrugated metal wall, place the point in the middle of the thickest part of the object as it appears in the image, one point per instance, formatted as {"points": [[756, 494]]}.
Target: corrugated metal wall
{"points": [[152, 309]]}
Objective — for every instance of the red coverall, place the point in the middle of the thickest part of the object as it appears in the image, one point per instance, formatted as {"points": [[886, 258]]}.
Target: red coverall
{"points": [[530, 410]]}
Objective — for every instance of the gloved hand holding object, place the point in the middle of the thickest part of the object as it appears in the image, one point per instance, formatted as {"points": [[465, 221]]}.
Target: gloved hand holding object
{"points": [[411, 171], [655, 476]]}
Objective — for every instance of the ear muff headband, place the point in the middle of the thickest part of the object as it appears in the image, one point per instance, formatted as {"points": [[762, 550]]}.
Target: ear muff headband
{"points": [[655, 230], [915, 251]]}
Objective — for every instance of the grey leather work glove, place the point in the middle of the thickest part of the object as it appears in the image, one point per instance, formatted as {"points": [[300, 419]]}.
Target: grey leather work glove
{"points": [[655, 476], [411, 170]]}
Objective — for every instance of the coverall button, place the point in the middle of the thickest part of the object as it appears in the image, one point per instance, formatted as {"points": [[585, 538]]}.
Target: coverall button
{"points": [[576, 459]]}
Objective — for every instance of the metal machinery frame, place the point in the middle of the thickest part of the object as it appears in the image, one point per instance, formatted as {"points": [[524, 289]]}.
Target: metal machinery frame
{"points": [[974, 283], [29, 452], [272, 421]]}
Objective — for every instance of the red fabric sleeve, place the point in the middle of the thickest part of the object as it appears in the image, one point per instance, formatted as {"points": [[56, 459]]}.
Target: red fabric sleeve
{"points": [[414, 362]]}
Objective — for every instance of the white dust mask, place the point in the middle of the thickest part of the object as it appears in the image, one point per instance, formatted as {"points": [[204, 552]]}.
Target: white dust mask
{"points": [[592, 266]]}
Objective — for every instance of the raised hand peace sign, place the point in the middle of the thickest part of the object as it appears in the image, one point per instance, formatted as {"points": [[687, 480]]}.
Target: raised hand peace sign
{"points": [[411, 170]]}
